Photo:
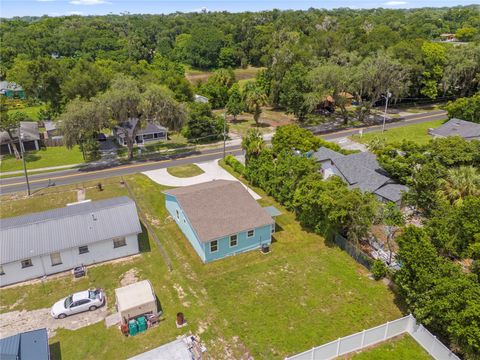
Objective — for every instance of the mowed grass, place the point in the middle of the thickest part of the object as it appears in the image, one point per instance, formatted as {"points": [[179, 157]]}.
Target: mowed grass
{"points": [[45, 157], [184, 171], [30, 111], [195, 75], [302, 294], [417, 133], [401, 348]]}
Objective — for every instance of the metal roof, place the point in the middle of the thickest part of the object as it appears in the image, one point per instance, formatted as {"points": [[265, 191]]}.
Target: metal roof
{"points": [[29, 130], [458, 127], [30, 345], [133, 295], [219, 208], [26, 236]]}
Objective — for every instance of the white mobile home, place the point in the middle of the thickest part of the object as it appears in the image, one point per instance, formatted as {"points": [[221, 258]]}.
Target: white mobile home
{"points": [[53, 241]]}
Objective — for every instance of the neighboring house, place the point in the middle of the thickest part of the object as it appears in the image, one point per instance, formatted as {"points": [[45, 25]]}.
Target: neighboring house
{"points": [[30, 345], [52, 130], [30, 139], [360, 170], [457, 127], [151, 132], [220, 218], [11, 90], [57, 240], [448, 37], [200, 99]]}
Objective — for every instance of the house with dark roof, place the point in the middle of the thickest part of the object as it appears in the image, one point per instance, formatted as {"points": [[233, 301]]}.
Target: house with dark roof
{"points": [[30, 345], [362, 171], [457, 127], [83, 233], [28, 133], [151, 132], [220, 218]]}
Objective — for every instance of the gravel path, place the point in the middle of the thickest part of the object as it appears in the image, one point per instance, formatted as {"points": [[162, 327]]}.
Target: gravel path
{"points": [[14, 322]]}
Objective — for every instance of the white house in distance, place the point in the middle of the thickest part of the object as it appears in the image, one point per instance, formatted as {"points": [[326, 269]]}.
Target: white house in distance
{"points": [[57, 240], [151, 132]]}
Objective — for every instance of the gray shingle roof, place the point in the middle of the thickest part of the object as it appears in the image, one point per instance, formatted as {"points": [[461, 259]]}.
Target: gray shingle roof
{"points": [[54, 230], [149, 128], [453, 127], [29, 129], [30, 345], [220, 208], [324, 153], [392, 192]]}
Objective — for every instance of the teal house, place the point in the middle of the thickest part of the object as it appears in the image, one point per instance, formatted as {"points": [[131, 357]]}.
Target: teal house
{"points": [[220, 218]]}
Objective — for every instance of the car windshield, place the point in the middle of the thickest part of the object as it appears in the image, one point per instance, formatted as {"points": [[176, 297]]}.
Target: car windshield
{"points": [[68, 301]]}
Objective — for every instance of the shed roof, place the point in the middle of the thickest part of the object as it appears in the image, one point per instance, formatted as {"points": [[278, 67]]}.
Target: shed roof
{"points": [[29, 130], [30, 345], [220, 208], [54, 230], [133, 295], [453, 127]]}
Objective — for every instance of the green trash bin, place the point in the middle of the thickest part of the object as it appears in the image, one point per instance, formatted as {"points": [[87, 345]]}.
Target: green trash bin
{"points": [[142, 323], [132, 327]]}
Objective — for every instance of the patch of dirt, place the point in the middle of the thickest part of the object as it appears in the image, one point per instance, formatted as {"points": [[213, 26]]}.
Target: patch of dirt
{"points": [[152, 220], [18, 302], [130, 277]]}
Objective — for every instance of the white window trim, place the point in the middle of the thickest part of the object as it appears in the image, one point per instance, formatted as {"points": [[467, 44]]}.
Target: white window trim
{"points": [[211, 243], [24, 267], [250, 236], [236, 240]]}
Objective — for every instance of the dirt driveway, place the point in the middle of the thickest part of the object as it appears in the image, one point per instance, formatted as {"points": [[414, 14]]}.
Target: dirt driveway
{"points": [[14, 322]]}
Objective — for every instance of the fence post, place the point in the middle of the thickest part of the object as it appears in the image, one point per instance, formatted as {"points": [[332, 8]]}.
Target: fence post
{"points": [[338, 346], [386, 331], [363, 337], [313, 353]]}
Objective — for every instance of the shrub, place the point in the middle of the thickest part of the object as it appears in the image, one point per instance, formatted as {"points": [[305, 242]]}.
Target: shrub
{"points": [[236, 165], [379, 270]]}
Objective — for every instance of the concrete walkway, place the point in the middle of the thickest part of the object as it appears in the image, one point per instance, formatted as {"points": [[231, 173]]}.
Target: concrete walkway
{"points": [[40, 169], [348, 144], [212, 171]]}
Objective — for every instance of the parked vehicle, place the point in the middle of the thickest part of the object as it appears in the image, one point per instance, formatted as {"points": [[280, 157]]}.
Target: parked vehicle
{"points": [[88, 300]]}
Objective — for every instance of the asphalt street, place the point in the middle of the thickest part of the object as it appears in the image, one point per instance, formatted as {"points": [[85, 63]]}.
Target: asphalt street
{"points": [[70, 176]]}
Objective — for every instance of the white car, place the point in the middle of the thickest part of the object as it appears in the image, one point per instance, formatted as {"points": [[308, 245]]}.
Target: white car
{"points": [[88, 300]]}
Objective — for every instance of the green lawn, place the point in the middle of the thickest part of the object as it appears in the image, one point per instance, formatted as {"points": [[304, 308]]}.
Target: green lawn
{"points": [[51, 156], [417, 133], [303, 294], [400, 348], [185, 171], [31, 111]]}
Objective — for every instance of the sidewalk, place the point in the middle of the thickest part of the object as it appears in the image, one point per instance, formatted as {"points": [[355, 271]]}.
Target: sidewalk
{"points": [[40, 169]]}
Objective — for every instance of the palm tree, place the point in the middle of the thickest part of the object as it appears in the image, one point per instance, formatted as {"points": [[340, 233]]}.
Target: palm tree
{"points": [[255, 98], [459, 183], [252, 143]]}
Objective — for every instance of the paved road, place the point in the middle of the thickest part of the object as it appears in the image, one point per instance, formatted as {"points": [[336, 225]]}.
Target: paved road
{"points": [[64, 177]]}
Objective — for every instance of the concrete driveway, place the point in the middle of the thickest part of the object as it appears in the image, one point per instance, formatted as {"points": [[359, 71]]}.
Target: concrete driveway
{"points": [[212, 171]]}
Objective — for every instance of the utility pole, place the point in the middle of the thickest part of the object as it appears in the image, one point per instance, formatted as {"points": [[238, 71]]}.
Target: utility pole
{"points": [[224, 132], [20, 138], [389, 94]]}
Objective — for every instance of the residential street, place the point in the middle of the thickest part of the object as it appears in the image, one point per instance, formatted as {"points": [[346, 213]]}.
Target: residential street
{"points": [[70, 176]]}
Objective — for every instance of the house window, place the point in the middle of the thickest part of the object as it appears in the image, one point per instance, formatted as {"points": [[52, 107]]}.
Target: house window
{"points": [[83, 250], [119, 242], [214, 246], [26, 263], [250, 233], [233, 240], [1, 270], [178, 214], [147, 136], [273, 228], [55, 258]]}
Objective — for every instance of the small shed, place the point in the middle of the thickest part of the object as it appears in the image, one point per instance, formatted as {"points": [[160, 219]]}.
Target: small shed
{"points": [[135, 300]]}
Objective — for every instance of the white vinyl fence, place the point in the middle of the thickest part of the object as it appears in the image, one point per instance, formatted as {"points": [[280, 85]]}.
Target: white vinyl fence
{"points": [[361, 340]]}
